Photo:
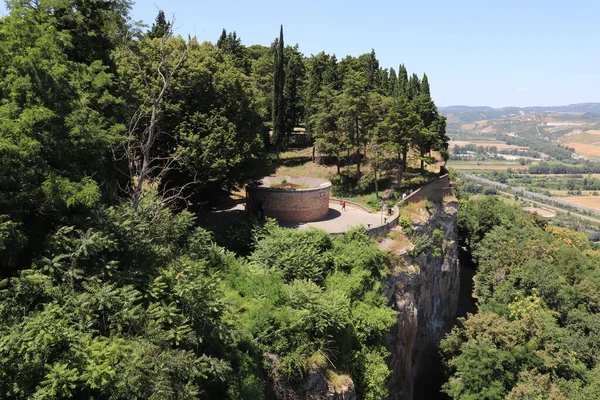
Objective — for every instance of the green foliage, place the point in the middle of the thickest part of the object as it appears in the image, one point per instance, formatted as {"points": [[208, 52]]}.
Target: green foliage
{"points": [[104, 297], [537, 310], [405, 222], [422, 244]]}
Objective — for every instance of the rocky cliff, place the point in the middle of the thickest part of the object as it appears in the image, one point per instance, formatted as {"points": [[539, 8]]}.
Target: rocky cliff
{"points": [[423, 286]]}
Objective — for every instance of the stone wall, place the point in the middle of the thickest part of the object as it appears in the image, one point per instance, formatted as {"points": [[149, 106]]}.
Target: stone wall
{"points": [[424, 290], [434, 191], [289, 205]]}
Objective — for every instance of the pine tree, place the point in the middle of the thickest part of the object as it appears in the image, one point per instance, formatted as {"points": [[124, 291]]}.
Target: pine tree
{"points": [[425, 87], [161, 27], [222, 39], [278, 88], [231, 44]]}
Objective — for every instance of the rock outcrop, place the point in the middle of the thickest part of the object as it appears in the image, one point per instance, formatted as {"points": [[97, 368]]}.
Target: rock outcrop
{"points": [[319, 384], [423, 287]]}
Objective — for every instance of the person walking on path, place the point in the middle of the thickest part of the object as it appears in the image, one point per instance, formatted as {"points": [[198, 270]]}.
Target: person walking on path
{"points": [[344, 205]]}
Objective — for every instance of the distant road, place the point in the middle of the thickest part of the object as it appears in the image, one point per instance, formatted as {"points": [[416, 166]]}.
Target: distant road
{"points": [[546, 201]]}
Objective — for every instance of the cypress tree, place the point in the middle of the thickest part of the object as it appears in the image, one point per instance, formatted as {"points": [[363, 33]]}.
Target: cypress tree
{"points": [[414, 86], [393, 83], [372, 69], [278, 99], [402, 90], [385, 81], [425, 86]]}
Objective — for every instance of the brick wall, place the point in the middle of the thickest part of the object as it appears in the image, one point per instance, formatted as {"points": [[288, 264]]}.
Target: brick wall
{"points": [[300, 205]]}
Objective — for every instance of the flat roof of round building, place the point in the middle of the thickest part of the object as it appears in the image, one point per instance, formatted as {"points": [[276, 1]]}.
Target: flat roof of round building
{"points": [[293, 183]]}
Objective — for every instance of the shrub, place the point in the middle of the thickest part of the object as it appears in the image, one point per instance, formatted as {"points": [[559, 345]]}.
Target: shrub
{"points": [[422, 244], [490, 191], [404, 221]]}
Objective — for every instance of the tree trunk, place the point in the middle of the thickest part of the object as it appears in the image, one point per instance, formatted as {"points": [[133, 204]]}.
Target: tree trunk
{"points": [[313, 154], [357, 165], [337, 164], [422, 162], [403, 165], [376, 186], [357, 151], [399, 170]]}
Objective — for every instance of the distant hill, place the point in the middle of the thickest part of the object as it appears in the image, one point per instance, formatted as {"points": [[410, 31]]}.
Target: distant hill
{"points": [[467, 114]]}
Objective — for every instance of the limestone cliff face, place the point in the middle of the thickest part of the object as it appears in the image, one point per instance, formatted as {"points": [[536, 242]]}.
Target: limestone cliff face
{"points": [[424, 288]]}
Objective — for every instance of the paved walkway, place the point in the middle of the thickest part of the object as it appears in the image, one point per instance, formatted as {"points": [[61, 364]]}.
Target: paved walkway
{"points": [[336, 221], [339, 221]]}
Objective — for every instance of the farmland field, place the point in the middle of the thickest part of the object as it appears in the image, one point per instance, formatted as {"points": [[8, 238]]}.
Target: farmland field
{"points": [[585, 144], [585, 149], [586, 201]]}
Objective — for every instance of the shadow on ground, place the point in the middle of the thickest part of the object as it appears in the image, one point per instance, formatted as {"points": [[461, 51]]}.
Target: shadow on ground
{"points": [[331, 214]]}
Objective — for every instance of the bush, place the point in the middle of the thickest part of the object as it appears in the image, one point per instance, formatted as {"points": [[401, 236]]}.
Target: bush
{"points": [[490, 191], [405, 222], [422, 244]]}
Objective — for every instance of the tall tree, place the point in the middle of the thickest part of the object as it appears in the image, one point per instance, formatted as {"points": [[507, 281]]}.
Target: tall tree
{"points": [[425, 86], [393, 84], [402, 86], [354, 116], [414, 86], [231, 44], [60, 114], [324, 123], [432, 134], [370, 66], [384, 85], [396, 132], [322, 72], [161, 27], [278, 96], [294, 75]]}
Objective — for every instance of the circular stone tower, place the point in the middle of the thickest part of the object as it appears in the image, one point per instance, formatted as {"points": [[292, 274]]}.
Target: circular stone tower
{"points": [[289, 198]]}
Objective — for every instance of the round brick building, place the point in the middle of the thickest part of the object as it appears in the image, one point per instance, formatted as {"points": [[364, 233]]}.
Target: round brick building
{"points": [[289, 198]]}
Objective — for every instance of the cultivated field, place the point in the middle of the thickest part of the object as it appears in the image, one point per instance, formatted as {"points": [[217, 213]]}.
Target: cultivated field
{"points": [[585, 149], [485, 143], [585, 144], [586, 201]]}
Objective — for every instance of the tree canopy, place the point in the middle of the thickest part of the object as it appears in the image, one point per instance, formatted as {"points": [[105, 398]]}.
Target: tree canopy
{"points": [[536, 331]]}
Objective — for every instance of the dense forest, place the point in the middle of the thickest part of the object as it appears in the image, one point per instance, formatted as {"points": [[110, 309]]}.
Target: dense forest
{"points": [[112, 137], [536, 332]]}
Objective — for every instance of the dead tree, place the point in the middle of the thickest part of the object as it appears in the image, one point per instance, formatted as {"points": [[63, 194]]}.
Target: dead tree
{"points": [[145, 166]]}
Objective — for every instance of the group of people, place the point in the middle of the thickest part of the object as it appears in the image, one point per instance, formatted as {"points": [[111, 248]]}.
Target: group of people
{"points": [[407, 194]]}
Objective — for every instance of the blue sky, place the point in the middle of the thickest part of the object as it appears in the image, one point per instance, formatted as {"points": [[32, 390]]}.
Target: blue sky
{"points": [[485, 52]]}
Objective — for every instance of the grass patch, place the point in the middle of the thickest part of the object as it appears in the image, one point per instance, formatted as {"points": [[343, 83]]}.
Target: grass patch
{"points": [[340, 382]]}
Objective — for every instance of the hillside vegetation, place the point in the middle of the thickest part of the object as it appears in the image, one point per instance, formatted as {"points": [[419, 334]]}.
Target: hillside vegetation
{"points": [[535, 334], [114, 138]]}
